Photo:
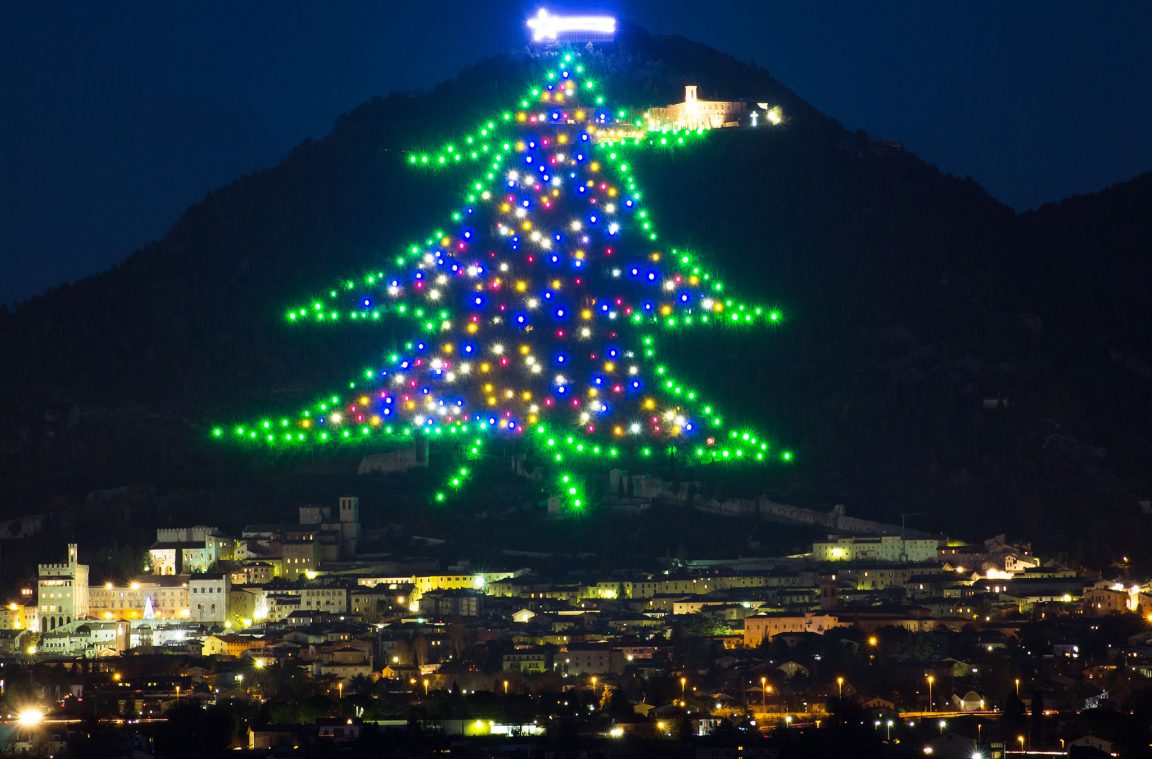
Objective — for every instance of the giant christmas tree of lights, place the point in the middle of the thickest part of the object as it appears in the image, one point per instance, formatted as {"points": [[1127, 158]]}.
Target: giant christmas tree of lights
{"points": [[535, 313]]}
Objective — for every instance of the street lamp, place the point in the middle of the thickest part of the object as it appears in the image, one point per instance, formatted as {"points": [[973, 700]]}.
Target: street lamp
{"points": [[1020, 738], [177, 695], [763, 692], [425, 686], [30, 717], [840, 688], [943, 724], [931, 679], [888, 735], [505, 687], [683, 687]]}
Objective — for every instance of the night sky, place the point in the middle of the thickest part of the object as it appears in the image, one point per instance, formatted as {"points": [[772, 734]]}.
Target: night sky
{"points": [[115, 116]]}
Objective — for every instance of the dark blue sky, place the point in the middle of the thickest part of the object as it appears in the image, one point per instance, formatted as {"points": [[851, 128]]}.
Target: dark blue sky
{"points": [[115, 116]]}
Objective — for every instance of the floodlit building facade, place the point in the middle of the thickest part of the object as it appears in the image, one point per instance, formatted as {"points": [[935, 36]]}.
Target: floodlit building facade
{"points": [[62, 591], [163, 597], [759, 628], [695, 113], [889, 548]]}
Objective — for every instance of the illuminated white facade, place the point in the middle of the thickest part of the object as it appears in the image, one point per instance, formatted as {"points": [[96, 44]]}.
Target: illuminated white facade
{"points": [[62, 591], [890, 548], [208, 598]]}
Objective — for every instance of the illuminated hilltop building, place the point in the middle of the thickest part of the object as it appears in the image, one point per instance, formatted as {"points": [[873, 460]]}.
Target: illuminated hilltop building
{"points": [[694, 113]]}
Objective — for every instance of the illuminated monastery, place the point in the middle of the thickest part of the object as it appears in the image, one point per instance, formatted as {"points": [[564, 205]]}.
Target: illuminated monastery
{"points": [[695, 113]]}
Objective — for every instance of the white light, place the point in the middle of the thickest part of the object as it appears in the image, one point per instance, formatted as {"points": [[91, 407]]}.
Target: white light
{"points": [[545, 26]]}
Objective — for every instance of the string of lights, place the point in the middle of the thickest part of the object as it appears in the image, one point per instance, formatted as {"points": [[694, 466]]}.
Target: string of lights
{"points": [[535, 313]]}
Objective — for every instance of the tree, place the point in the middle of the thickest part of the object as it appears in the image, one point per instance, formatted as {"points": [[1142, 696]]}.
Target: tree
{"points": [[536, 310]]}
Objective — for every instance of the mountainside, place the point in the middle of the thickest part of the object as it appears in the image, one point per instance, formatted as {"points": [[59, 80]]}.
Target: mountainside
{"points": [[941, 354]]}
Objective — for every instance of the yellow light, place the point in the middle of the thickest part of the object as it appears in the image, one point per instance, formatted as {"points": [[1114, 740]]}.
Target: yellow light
{"points": [[30, 717]]}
